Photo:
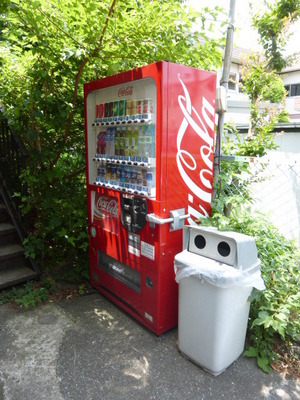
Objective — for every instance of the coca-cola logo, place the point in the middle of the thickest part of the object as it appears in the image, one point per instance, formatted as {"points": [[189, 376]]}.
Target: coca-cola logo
{"points": [[197, 178], [106, 205], [125, 91]]}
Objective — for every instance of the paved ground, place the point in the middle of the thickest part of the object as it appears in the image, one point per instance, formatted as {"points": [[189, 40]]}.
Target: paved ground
{"points": [[86, 348]]}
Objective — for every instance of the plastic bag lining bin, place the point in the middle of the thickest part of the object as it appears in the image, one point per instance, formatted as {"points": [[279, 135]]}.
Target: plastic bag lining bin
{"points": [[217, 274]]}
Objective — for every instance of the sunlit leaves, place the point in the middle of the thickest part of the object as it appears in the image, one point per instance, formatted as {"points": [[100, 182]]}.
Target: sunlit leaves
{"points": [[273, 26], [48, 49]]}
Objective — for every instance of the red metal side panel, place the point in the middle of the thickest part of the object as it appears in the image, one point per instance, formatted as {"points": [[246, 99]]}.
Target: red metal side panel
{"points": [[190, 148]]}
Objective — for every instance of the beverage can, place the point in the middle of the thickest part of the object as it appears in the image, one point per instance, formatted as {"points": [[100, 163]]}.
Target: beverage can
{"points": [[116, 108], [133, 108], [139, 107], [148, 106], [111, 109], [128, 107], [122, 108], [100, 110], [106, 110]]}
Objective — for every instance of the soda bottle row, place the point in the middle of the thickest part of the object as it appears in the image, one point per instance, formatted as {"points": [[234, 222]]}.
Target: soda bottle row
{"points": [[132, 179], [122, 110], [134, 143]]}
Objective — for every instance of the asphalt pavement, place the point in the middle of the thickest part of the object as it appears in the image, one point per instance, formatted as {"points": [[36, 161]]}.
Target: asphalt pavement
{"points": [[86, 348]]}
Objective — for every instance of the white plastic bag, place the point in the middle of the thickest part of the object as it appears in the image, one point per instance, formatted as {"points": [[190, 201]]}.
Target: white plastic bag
{"points": [[218, 274]]}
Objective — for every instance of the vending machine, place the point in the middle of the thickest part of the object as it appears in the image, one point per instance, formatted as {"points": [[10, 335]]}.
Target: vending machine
{"points": [[149, 165]]}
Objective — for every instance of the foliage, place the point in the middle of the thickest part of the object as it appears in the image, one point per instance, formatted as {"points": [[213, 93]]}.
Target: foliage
{"points": [[275, 310], [284, 116], [272, 26], [29, 294], [48, 49], [267, 98], [258, 81]]}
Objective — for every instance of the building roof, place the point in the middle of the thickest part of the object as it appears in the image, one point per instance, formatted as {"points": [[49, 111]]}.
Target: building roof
{"points": [[237, 53], [293, 68]]}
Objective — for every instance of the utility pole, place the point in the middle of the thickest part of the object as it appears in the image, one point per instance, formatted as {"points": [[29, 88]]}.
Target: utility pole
{"points": [[224, 82]]}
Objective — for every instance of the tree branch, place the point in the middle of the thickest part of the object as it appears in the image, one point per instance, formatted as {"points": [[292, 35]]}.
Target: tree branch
{"points": [[78, 76]]}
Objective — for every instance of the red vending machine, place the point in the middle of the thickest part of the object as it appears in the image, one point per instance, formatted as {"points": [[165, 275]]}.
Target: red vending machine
{"points": [[149, 156]]}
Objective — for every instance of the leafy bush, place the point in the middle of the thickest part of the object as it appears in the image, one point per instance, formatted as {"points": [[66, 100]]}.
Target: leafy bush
{"points": [[29, 294], [275, 310]]}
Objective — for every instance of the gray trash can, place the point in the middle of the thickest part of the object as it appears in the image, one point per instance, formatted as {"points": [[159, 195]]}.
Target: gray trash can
{"points": [[216, 273]]}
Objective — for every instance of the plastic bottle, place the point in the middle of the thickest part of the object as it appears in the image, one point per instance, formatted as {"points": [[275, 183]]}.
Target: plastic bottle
{"points": [[107, 141], [122, 143], [117, 142], [128, 135], [141, 142], [135, 142], [149, 142], [98, 143], [112, 142]]}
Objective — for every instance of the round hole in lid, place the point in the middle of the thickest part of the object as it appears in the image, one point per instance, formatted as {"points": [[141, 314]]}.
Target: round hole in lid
{"points": [[224, 249], [200, 242]]}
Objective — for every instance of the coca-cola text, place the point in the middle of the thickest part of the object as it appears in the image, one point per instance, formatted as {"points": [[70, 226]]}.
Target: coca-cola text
{"points": [[197, 178], [125, 91], [107, 205]]}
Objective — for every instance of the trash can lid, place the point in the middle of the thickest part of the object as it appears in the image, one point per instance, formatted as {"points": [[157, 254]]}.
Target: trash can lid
{"points": [[232, 248]]}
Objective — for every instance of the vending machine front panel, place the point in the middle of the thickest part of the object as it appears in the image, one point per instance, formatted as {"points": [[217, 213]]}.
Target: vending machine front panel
{"points": [[149, 147]]}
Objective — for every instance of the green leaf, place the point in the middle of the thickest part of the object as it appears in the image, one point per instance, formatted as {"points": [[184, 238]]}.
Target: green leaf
{"points": [[263, 364], [250, 352]]}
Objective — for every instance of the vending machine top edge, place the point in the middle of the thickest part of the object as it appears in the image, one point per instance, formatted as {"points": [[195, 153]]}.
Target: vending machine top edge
{"points": [[149, 166]]}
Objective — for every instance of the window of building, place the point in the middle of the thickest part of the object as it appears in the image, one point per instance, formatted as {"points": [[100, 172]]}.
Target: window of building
{"points": [[293, 89], [232, 84], [241, 90]]}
